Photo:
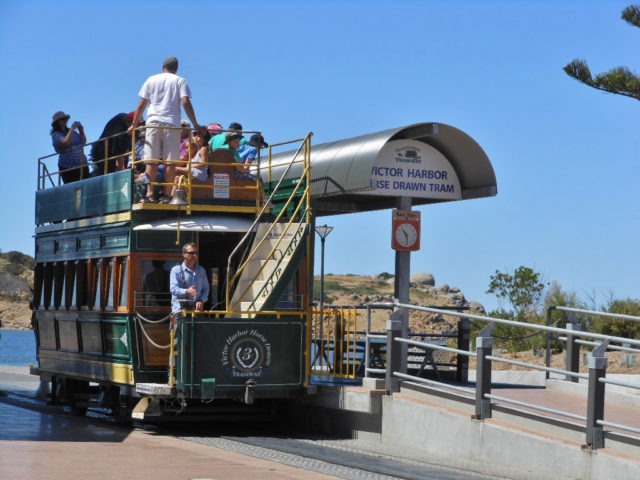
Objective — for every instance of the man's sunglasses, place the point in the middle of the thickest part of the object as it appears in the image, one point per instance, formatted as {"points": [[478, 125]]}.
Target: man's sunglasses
{"points": [[191, 253]]}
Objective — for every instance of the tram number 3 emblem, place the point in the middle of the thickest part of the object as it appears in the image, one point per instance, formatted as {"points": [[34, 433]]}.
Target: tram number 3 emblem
{"points": [[246, 353]]}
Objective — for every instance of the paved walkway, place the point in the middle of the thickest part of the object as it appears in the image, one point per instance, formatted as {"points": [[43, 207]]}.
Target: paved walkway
{"points": [[52, 446]]}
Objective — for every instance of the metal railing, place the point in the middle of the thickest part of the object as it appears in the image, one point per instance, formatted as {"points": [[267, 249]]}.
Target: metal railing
{"points": [[335, 350], [573, 341], [302, 209], [594, 420]]}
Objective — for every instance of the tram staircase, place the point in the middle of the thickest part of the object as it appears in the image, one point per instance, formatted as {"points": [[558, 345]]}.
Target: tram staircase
{"points": [[279, 240], [276, 254]]}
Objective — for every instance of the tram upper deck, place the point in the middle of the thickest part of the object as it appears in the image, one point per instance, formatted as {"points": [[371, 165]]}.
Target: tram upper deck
{"points": [[116, 196]]}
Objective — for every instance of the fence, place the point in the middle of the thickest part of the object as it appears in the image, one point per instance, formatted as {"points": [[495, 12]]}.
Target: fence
{"points": [[594, 420]]}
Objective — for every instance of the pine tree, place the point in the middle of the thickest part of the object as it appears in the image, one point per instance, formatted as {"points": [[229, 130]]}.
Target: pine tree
{"points": [[618, 80]]}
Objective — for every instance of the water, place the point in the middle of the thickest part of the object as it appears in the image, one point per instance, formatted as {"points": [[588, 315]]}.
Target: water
{"points": [[17, 347]]}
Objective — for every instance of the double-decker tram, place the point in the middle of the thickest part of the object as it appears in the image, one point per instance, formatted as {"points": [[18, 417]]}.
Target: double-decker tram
{"points": [[102, 315]]}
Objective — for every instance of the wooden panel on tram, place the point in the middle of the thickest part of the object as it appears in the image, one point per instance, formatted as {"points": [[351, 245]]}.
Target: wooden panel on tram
{"points": [[68, 335], [152, 355]]}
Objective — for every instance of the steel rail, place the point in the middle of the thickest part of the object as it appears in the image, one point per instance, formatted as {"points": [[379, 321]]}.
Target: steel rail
{"points": [[433, 382], [536, 407], [617, 425], [599, 314], [619, 383], [434, 346], [576, 333], [584, 376]]}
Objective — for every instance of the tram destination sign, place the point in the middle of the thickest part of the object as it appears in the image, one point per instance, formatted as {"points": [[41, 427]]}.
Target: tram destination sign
{"points": [[408, 168]]}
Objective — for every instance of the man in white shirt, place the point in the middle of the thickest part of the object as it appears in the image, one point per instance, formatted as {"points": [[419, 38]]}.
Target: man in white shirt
{"points": [[163, 93]]}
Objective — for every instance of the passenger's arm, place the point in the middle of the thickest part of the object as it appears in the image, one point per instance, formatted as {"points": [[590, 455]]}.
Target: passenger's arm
{"points": [[142, 104], [204, 293], [188, 109], [68, 138]]}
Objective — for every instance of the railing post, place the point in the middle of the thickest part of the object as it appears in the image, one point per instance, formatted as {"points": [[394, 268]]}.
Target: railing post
{"points": [[595, 396], [394, 352], [462, 362], [484, 347], [572, 363], [547, 353]]}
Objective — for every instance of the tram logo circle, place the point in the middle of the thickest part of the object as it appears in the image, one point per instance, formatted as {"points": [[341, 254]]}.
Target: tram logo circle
{"points": [[247, 354]]}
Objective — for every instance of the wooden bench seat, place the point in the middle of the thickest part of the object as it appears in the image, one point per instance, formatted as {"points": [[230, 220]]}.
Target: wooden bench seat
{"points": [[222, 177]]}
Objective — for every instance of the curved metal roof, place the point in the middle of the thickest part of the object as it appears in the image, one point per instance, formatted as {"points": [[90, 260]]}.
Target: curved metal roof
{"points": [[342, 170]]}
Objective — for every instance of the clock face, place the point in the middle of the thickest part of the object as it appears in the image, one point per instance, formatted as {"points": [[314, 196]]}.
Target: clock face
{"points": [[406, 235]]}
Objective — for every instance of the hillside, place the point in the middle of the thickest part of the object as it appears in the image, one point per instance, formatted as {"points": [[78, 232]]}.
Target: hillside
{"points": [[350, 290], [16, 283]]}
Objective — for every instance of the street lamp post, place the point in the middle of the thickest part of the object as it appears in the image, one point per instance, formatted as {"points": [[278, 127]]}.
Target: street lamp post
{"points": [[323, 231]]}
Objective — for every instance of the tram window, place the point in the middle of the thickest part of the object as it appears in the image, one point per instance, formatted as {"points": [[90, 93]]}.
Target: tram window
{"points": [[106, 298], [58, 284], [93, 282], [214, 294], [121, 291], [38, 279], [155, 282], [48, 284], [80, 299], [69, 284]]}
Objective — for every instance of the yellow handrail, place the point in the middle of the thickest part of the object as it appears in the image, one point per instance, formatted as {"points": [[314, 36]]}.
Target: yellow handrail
{"points": [[306, 197]]}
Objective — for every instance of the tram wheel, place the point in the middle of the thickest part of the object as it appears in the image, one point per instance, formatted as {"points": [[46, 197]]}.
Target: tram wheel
{"points": [[76, 392]]}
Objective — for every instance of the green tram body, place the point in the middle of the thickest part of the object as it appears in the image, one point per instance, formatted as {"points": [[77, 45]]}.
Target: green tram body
{"points": [[96, 327]]}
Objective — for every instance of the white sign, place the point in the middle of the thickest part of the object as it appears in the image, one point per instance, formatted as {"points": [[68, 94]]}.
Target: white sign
{"points": [[408, 168], [220, 180]]}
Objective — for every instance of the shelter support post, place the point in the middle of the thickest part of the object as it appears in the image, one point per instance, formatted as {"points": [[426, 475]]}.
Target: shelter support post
{"points": [[595, 396], [402, 287]]}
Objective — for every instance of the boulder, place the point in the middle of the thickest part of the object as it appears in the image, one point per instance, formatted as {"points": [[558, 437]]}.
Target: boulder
{"points": [[477, 308], [423, 279], [444, 288]]}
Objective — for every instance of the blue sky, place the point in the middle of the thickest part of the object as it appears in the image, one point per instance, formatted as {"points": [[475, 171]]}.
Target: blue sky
{"points": [[565, 155]]}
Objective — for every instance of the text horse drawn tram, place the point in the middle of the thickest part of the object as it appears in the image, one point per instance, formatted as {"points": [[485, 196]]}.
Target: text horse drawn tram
{"points": [[102, 306]]}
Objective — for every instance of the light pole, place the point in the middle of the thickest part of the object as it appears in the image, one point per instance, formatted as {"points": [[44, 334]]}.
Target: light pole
{"points": [[323, 231]]}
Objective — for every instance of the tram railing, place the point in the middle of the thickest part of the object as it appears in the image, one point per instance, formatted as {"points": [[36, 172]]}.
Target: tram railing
{"points": [[594, 420], [301, 210], [336, 350]]}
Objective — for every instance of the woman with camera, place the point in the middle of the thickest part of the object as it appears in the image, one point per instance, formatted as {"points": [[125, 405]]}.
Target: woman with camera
{"points": [[68, 142]]}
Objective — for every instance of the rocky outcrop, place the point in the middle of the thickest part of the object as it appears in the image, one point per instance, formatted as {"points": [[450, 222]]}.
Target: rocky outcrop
{"points": [[423, 279]]}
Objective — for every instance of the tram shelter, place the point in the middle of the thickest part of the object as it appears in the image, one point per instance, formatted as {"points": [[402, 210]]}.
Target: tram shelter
{"points": [[417, 164]]}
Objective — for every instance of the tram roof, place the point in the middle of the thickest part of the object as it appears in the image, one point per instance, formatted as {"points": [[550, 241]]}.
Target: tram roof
{"points": [[342, 170]]}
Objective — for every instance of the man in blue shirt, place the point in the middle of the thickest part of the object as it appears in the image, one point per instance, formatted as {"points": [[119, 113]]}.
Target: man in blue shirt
{"points": [[188, 282]]}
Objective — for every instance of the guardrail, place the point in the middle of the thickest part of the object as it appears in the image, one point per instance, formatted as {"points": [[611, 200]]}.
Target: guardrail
{"points": [[594, 420], [573, 341]]}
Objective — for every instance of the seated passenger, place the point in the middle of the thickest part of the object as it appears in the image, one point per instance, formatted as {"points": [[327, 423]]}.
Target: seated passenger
{"points": [[214, 128], [248, 153], [68, 143], [184, 141], [219, 141], [199, 167], [119, 145]]}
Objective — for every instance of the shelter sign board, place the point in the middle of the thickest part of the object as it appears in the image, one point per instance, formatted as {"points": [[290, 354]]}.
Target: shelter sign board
{"points": [[408, 168]]}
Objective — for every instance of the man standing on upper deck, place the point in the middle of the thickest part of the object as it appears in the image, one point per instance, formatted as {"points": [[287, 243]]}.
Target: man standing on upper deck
{"points": [[163, 93]]}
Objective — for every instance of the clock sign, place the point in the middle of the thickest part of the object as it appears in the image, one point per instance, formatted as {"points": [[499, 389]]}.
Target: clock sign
{"points": [[405, 230]]}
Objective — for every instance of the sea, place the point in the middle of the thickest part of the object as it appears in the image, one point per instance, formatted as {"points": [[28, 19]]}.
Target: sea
{"points": [[17, 347]]}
